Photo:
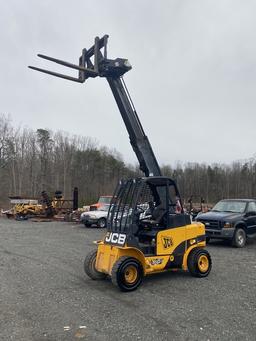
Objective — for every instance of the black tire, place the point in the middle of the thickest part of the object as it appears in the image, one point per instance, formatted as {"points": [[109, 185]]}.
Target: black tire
{"points": [[89, 266], [199, 262], [21, 217], [239, 238], [102, 222], [127, 273]]}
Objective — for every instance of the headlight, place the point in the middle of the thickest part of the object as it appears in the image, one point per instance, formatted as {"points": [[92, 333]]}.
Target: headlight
{"points": [[227, 224]]}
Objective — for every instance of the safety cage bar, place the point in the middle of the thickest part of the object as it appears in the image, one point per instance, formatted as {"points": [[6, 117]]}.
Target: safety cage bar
{"points": [[123, 204]]}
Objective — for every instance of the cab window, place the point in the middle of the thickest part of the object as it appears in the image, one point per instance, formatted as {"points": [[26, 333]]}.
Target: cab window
{"points": [[251, 207]]}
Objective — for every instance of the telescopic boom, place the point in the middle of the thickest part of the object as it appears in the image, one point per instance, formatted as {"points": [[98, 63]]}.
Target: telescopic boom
{"points": [[93, 63]]}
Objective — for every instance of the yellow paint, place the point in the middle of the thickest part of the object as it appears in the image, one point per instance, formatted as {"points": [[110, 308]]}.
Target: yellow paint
{"points": [[131, 274], [177, 235], [107, 255], [185, 257], [203, 263], [156, 263], [167, 241]]}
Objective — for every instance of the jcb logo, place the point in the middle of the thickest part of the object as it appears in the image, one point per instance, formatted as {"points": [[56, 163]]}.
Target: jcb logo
{"points": [[115, 238], [167, 242], [156, 261]]}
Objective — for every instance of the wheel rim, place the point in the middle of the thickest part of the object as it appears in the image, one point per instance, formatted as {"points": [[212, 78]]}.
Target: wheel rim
{"points": [[130, 274], [240, 238], [102, 223], [203, 263]]}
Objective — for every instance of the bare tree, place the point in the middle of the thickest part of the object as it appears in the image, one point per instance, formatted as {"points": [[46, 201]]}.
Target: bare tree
{"points": [[45, 146], [6, 141], [34, 161]]}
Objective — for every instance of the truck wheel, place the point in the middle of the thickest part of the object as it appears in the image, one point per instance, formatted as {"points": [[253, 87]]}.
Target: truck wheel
{"points": [[101, 222], [199, 262], [239, 238], [127, 273], [21, 216], [89, 266]]}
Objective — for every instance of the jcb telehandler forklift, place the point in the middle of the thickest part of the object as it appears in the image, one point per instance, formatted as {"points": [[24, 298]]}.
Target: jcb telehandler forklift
{"points": [[147, 229]]}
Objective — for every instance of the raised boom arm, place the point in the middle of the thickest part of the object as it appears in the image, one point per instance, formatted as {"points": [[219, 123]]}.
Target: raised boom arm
{"points": [[113, 71]]}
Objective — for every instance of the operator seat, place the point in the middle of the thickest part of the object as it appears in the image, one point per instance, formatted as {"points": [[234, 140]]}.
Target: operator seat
{"points": [[149, 227], [158, 214], [157, 217]]}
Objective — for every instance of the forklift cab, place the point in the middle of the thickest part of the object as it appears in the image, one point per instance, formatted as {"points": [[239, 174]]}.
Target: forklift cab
{"points": [[142, 207]]}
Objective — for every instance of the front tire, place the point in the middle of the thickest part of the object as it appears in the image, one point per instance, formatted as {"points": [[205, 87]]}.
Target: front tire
{"points": [[127, 273], [89, 266], [199, 262], [239, 239], [102, 223]]}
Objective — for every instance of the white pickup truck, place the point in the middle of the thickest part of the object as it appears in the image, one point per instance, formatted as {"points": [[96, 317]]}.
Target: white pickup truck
{"points": [[98, 217]]}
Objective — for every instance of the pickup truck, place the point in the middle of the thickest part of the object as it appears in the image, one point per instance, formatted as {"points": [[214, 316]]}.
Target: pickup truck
{"points": [[96, 217], [232, 219]]}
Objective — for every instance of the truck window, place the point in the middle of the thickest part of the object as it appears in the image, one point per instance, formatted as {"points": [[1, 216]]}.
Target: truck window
{"points": [[251, 207]]}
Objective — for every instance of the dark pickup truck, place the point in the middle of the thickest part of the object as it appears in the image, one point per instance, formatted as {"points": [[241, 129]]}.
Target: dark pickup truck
{"points": [[232, 219]]}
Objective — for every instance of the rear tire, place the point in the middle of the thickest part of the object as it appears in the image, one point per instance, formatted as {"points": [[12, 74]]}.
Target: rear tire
{"points": [[239, 238], [199, 262], [89, 266], [127, 273]]}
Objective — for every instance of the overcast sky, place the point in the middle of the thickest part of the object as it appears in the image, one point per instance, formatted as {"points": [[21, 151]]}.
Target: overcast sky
{"points": [[192, 82]]}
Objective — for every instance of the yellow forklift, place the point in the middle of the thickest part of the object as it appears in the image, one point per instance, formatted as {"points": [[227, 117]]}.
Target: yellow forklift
{"points": [[147, 229]]}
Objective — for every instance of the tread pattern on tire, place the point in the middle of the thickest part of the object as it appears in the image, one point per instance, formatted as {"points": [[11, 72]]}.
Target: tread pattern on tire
{"points": [[98, 224], [234, 242], [192, 262], [115, 270], [89, 267]]}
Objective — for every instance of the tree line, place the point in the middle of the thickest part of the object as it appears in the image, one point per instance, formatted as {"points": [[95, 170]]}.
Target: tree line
{"points": [[215, 182], [33, 161]]}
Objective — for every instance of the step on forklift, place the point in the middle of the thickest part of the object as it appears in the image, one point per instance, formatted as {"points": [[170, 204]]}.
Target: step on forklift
{"points": [[147, 229]]}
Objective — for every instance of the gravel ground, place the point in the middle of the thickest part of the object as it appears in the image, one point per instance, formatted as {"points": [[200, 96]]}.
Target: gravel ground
{"points": [[45, 295]]}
